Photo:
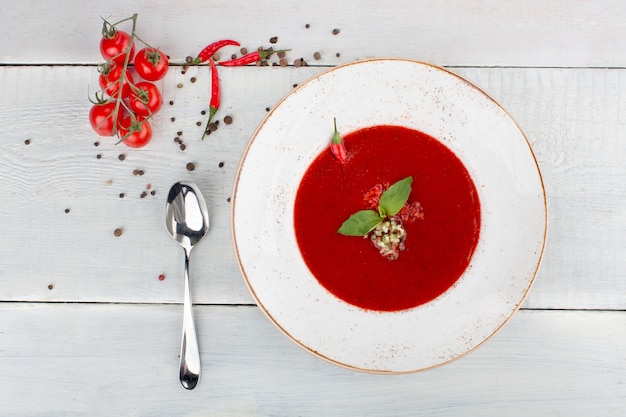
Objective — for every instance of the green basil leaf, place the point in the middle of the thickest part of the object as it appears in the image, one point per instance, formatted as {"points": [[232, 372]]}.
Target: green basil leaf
{"points": [[396, 196], [360, 223]]}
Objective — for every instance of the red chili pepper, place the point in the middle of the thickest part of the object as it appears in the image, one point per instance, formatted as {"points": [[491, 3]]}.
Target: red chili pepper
{"points": [[337, 146], [251, 58], [215, 96], [211, 49]]}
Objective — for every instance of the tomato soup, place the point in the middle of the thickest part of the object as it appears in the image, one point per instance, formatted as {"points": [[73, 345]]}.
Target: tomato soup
{"points": [[438, 248]]}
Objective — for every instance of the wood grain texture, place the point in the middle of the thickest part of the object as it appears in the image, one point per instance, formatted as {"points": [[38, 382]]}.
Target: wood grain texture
{"points": [[573, 120], [122, 360], [557, 66], [570, 116], [59, 170], [451, 32]]}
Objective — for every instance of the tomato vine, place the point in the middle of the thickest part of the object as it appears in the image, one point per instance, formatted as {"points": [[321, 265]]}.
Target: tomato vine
{"points": [[124, 107]]}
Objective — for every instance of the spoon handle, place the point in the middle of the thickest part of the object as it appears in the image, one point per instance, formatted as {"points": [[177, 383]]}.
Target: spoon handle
{"points": [[189, 353]]}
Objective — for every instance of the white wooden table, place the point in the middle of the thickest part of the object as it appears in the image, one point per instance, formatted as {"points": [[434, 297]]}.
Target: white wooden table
{"points": [[86, 326]]}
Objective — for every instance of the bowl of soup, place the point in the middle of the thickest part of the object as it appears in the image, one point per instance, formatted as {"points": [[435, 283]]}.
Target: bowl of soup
{"points": [[465, 257]]}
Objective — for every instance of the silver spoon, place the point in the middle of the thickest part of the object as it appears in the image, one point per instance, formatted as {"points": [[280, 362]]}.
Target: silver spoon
{"points": [[187, 220]]}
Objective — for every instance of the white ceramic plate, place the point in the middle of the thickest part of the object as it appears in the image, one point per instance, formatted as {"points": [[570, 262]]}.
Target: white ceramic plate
{"points": [[445, 106]]}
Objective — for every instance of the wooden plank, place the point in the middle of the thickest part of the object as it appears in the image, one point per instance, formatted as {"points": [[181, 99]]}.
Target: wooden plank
{"points": [[450, 32], [106, 360], [77, 252], [571, 118]]}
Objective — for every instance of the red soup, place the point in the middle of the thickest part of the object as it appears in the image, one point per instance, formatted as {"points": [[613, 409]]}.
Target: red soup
{"points": [[438, 248]]}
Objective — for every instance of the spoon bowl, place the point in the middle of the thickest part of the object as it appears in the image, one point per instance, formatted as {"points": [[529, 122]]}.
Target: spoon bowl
{"points": [[187, 221]]}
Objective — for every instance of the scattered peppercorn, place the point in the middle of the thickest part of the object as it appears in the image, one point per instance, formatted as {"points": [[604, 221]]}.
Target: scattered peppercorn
{"points": [[274, 39], [182, 146], [228, 120], [173, 119], [67, 210], [152, 192], [27, 142], [121, 195], [267, 109], [96, 144], [192, 79], [50, 287], [203, 112], [336, 31], [179, 85], [337, 54], [317, 56], [179, 133], [143, 194], [148, 186], [281, 54], [190, 166], [307, 26], [171, 102], [243, 51], [282, 62], [221, 165], [198, 123], [188, 59], [295, 85], [98, 156], [117, 232], [121, 157], [161, 277]]}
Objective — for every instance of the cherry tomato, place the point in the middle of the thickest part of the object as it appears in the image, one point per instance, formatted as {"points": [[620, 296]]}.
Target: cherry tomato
{"points": [[145, 99], [114, 47], [109, 80], [138, 130], [102, 119], [151, 64]]}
